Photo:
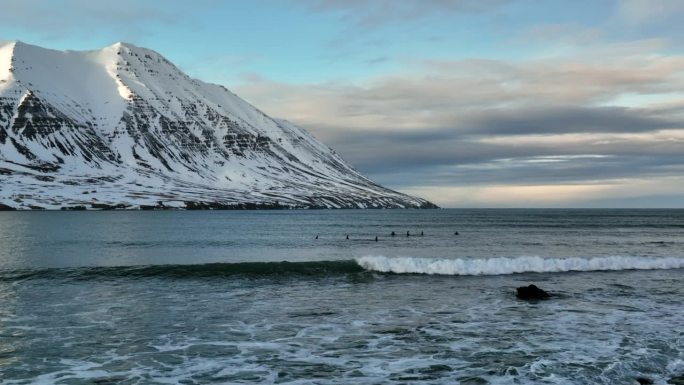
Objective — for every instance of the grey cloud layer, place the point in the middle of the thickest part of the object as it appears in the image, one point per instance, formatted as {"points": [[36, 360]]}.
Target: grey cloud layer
{"points": [[567, 120], [462, 155]]}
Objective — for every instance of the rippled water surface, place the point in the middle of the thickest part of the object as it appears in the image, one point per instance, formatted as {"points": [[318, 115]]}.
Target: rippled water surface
{"points": [[203, 297]]}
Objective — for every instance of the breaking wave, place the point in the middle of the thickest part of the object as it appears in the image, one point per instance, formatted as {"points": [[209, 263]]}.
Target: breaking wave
{"points": [[375, 264], [513, 265]]}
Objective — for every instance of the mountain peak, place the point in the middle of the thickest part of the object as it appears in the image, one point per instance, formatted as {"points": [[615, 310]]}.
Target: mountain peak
{"points": [[14, 43], [21, 47], [123, 44], [4, 43]]}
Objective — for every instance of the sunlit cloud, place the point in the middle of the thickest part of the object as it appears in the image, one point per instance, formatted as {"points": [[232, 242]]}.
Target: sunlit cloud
{"points": [[636, 193], [444, 93]]}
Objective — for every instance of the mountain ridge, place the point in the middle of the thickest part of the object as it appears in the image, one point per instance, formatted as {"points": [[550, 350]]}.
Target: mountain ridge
{"points": [[123, 127]]}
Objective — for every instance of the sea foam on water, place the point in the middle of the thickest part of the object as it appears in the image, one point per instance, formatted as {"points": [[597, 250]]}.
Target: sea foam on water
{"points": [[512, 265]]}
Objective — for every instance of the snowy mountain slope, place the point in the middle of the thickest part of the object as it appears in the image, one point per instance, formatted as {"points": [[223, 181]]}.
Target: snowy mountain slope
{"points": [[123, 126]]}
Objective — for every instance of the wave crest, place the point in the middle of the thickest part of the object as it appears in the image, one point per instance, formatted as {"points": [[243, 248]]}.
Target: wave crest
{"points": [[208, 270], [512, 265]]}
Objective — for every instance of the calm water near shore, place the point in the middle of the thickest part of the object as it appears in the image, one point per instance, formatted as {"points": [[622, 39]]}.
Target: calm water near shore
{"points": [[205, 297]]}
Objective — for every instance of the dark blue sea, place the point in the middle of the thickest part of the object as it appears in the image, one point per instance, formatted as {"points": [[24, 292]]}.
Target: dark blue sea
{"points": [[283, 297]]}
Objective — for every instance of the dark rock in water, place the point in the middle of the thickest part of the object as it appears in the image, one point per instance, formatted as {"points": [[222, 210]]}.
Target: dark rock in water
{"points": [[676, 380], [644, 381], [531, 292], [6, 208]]}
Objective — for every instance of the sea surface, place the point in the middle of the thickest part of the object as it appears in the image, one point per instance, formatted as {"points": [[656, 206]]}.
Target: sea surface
{"points": [[283, 297]]}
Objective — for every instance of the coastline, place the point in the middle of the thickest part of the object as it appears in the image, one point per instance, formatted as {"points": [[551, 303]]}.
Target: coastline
{"points": [[200, 205]]}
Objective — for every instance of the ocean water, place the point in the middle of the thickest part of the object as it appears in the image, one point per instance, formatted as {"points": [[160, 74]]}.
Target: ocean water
{"points": [[231, 297]]}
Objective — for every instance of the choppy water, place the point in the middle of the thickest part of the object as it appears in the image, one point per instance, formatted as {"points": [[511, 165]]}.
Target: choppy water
{"points": [[204, 297]]}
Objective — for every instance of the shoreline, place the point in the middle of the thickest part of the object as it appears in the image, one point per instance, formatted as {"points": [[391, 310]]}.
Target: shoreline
{"points": [[203, 206]]}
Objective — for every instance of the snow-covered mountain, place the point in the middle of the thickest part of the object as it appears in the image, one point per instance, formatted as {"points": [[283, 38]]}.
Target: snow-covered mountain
{"points": [[122, 126]]}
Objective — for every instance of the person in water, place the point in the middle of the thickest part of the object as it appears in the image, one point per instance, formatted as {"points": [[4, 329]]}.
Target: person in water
{"points": [[393, 233], [408, 234], [347, 236], [376, 238]]}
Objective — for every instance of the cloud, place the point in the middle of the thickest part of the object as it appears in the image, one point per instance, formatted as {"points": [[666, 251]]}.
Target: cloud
{"points": [[566, 120], [558, 33], [649, 11], [626, 193], [455, 94], [55, 19], [445, 157], [375, 13]]}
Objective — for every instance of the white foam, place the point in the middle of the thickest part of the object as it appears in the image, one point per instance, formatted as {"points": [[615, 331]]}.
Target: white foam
{"points": [[504, 265]]}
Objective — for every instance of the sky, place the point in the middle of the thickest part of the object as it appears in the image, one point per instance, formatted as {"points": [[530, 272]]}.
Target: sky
{"points": [[468, 103]]}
